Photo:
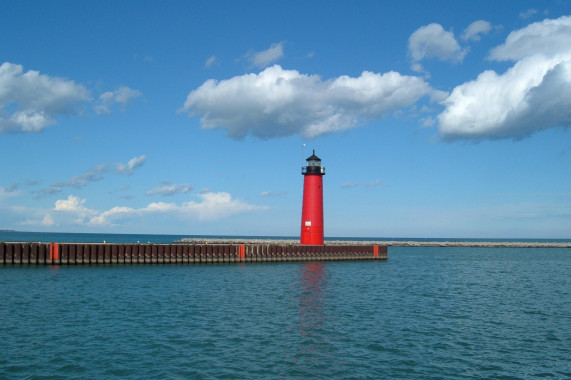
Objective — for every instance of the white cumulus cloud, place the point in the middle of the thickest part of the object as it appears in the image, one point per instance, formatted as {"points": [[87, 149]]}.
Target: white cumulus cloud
{"points": [[210, 207], [72, 203], [278, 102], [30, 101], [215, 206], [73, 211], [71, 207], [105, 218], [534, 94], [432, 41], [550, 37]]}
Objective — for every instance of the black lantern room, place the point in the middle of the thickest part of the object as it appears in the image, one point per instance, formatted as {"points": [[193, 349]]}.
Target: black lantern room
{"points": [[313, 165]]}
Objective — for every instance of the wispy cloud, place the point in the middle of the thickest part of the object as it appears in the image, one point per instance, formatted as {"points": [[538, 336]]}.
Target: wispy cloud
{"points": [[527, 14], [48, 191], [121, 96], [94, 174], [266, 57], [475, 30], [210, 61], [6, 193], [46, 221], [13, 187], [171, 189], [272, 194], [129, 167], [91, 175], [374, 183], [348, 185]]}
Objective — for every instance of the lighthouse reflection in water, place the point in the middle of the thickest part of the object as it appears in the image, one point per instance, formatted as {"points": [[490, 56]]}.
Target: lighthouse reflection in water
{"points": [[316, 353], [311, 300]]}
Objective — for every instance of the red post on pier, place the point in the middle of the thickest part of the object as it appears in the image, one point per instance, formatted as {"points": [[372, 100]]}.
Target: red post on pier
{"points": [[54, 252], [312, 208]]}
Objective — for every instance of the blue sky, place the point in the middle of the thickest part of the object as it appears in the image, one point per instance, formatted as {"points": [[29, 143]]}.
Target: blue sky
{"points": [[433, 119]]}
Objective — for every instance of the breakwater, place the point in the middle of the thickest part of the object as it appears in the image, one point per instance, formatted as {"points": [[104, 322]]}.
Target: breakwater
{"points": [[13, 253], [391, 243], [477, 244]]}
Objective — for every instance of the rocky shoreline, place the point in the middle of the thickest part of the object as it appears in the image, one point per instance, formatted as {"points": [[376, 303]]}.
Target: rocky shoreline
{"points": [[389, 243]]}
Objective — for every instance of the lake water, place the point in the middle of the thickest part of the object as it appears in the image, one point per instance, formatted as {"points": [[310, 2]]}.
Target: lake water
{"points": [[426, 313]]}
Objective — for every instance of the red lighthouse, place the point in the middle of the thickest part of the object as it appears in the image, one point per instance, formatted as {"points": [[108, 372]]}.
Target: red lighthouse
{"points": [[312, 210]]}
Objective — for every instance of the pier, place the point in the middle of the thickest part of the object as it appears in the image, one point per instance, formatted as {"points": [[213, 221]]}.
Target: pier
{"points": [[26, 253], [212, 250]]}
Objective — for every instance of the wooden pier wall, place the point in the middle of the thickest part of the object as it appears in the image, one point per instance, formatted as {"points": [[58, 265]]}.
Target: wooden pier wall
{"points": [[88, 253]]}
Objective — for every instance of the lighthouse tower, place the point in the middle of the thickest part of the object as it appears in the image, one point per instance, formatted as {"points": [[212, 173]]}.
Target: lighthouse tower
{"points": [[312, 210]]}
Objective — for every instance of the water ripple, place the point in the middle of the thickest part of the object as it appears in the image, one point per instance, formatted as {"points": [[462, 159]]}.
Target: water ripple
{"points": [[426, 313]]}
